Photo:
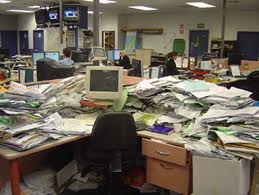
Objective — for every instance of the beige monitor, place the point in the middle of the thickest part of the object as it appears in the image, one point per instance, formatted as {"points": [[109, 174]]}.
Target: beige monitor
{"points": [[104, 82]]}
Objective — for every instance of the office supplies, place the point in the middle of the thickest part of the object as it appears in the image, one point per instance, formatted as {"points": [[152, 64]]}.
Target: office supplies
{"points": [[103, 83], [36, 56], [52, 55]]}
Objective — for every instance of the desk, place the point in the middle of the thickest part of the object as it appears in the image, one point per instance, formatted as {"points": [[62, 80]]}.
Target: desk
{"points": [[13, 157]]}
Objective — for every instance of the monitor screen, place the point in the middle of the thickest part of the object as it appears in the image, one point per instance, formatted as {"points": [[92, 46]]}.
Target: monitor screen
{"points": [[117, 54], [79, 57], [71, 14], [41, 16], [104, 80], [37, 56], [110, 54], [54, 15], [52, 55]]}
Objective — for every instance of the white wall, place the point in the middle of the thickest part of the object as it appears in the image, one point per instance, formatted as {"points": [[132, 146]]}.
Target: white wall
{"points": [[8, 22], [236, 21]]}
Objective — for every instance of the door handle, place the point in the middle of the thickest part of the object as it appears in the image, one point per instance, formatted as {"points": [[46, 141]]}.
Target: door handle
{"points": [[166, 167], [163, 153]]}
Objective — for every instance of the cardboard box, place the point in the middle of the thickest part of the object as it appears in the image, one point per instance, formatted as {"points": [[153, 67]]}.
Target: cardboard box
{"points": [[212, 176]]}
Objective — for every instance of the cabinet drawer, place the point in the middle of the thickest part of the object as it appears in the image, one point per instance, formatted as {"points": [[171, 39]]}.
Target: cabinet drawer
{"points": [[167, 175], [164, 152]]}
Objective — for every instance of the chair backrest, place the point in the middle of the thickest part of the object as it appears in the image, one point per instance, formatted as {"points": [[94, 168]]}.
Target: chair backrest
{"points": [[114, 131]]}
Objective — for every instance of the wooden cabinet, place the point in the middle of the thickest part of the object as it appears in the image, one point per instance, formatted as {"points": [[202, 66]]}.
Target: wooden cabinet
{"points": [[168, 166]]}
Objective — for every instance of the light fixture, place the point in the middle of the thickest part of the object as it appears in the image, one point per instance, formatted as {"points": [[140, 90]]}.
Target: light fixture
{"points": [[91, 12], [144, 8], [5, 1], [34, 6], [200, 4], [20, 11], [103, 1]]}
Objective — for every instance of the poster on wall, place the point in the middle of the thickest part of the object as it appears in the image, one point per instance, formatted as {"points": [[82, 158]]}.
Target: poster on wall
{"points": [[130, 42], [181, 29]]}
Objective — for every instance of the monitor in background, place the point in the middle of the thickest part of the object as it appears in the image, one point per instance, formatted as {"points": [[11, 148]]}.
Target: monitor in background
{"points": [[36, 56], [79, 57], [98, 52], [71, 13], [41, 17], [137, 68], [234, 59], [110, 55], [52, 55], [103, 82], [117, 54], [53, 14]]}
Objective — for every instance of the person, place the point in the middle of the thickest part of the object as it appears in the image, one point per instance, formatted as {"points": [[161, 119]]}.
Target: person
{"points": [[170, 67], [66, 58], [124, 61]]}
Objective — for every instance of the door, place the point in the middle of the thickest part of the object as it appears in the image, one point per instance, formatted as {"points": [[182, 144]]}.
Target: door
{"points": [[38, 40], [248, 45], [9, 41], [24, 42], [199, 42]]}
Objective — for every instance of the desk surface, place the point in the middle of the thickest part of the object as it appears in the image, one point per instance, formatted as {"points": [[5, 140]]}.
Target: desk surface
{"points": [[12, 154]]}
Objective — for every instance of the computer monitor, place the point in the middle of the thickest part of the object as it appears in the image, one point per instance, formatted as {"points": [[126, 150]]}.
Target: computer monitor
{"points": [[137, 67], [117, 54], [235, 59], [99, 52], [103, 82], [52, 55], [36, 56], [79, 57], [110, 55]]}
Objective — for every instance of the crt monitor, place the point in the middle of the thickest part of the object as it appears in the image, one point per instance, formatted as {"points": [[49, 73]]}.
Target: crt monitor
{"points": [[36, 56], [117, 54], [52, 55], [110, 55], [71, 13], [103, 82], [79, 56], [41, 16], [53, 14]]}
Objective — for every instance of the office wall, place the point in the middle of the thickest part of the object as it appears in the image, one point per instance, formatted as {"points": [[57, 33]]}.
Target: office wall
{"points": [[236, 21], [8, 22], [108, 22]]}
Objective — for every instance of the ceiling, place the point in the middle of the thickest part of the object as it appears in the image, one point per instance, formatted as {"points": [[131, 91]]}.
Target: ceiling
{"points": [[121, 7]]}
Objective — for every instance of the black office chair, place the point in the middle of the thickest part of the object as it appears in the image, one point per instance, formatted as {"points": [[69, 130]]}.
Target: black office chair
{"points": [[112, 146]]}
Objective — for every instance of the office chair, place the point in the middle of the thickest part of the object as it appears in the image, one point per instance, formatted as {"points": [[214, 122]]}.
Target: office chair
{"points": [[112, 146], [48, 69]]}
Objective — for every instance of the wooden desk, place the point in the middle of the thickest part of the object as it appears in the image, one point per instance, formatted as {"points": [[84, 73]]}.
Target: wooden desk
{"points": [[169, 164], [13, 157]]}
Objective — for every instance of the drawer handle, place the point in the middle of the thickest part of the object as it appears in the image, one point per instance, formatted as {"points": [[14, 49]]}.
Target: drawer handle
{"points": [[163, 153], [166, 167]]}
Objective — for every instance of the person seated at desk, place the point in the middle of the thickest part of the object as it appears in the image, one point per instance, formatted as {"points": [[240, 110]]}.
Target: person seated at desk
{"points": [[66, 58], [170, 67], [124, 61]]}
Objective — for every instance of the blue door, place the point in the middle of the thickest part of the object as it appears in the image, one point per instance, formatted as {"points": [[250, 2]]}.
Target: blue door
{"points": [[38, 40], [248, 45], [9, 41], [199, 42], [24, 42]]}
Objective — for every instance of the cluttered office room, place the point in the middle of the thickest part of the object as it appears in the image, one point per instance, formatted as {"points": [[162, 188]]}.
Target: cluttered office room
{"points": [[129, 97]]}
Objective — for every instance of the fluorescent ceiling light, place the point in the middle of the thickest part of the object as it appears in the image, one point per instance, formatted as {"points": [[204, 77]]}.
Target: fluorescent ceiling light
{"points": [[34, 6], [5, 1], [144, 8], [91, 12], [103, 1], [200, 4], [19, 11]]}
